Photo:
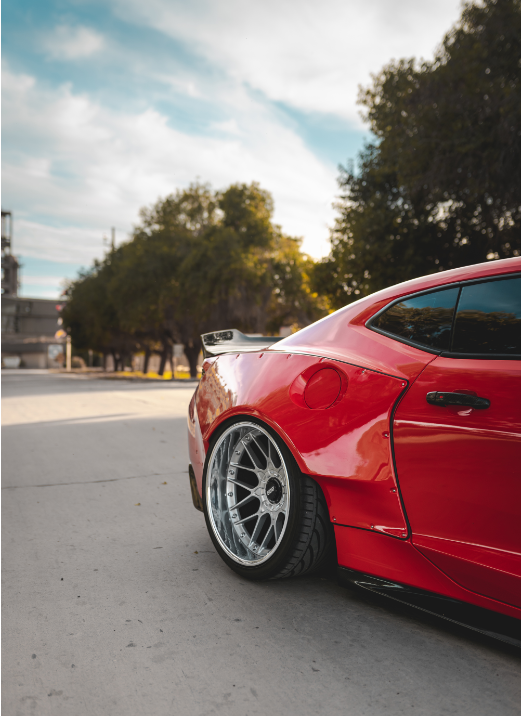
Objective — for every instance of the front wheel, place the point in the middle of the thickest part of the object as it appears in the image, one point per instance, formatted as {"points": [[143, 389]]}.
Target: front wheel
{"points": [[265, 518]]}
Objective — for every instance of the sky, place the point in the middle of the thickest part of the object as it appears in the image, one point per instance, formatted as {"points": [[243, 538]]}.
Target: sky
{"points": [[109, 105]]}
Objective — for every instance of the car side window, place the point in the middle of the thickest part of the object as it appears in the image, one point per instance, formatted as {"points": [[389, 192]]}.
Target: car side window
{"points": [[425, 319], [488, 318]]}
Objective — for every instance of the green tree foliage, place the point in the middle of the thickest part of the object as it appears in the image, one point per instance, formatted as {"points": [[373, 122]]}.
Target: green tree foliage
{"points": [[292, 301], [199, 261], [440, 186], [91, 318]]}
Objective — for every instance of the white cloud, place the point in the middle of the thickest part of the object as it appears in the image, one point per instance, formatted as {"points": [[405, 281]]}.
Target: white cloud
{"points": [[40, 281], [71, 43], [41, 286], [72, 168], [69, 244], [88, 168], [182, 85], [309, 54], [228, 127], [37, 292]]}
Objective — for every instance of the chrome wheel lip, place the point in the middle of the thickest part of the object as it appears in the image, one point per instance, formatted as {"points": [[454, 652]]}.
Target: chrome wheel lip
{"points": [[280, 473]]}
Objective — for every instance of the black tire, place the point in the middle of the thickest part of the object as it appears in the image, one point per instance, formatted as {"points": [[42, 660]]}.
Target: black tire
{"points": [[308, 536]]}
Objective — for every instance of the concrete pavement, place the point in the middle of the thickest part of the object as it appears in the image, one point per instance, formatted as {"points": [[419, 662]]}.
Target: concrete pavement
{"points": [[115, 602]]}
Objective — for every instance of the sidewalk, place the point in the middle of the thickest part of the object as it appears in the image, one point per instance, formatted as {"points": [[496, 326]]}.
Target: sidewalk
{"points": [[98, 373]]}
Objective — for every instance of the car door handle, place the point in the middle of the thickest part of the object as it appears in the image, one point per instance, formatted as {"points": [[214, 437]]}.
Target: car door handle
{"points": [[452, 398]]}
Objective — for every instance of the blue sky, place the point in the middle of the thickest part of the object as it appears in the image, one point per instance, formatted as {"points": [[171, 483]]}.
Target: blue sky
{"points": [[107, 106]]}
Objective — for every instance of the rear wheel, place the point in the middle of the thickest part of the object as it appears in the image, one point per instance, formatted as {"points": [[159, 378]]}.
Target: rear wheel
{"points": [[265, 518]]}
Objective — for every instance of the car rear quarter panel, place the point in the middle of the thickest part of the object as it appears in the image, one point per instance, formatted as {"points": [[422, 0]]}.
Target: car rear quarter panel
{"points": [[345, 447]]}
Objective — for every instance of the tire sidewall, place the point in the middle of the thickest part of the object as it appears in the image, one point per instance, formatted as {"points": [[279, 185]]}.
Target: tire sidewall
{"points": [[278, 560]]}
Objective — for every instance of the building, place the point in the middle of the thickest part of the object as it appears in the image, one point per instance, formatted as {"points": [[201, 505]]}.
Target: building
{"points": [[29, 327], [10, 264]]}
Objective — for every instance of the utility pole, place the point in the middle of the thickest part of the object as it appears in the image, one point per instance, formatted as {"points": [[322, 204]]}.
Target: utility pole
{"points": [[113, 237]]}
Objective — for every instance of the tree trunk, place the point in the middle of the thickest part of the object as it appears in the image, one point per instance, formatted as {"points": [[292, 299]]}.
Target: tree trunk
{"points": [[171, 362], [146, 360], [115, 360], [163, 360], [192, 352], [105, 362]]}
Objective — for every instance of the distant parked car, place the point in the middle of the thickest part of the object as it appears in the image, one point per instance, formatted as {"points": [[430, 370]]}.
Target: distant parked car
{"points": [[391, 427]]}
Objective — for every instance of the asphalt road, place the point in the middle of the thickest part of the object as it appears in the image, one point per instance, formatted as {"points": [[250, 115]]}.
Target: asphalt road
{"points": [[115, 602]]}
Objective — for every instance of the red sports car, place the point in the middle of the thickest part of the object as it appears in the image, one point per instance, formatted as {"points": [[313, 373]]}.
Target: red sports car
{"points": [[391, 427]]}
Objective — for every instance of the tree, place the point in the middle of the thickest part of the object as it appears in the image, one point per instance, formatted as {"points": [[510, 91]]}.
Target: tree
{"points": [[198, 261], [440, 185], [219, 262], [91, 318], [292, 301]]}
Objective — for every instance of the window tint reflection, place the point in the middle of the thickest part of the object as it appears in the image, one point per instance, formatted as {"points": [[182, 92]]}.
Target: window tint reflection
{"points": [[488, 320], [426, 319]]}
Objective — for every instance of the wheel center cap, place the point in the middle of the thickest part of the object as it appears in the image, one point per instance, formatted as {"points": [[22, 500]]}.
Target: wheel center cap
{"points": [[273, 491]]}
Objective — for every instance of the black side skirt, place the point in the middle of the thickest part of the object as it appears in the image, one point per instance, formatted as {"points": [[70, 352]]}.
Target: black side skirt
{"points": [[496, 625]]}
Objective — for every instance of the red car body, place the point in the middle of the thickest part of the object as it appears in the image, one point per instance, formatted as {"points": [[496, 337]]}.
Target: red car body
{"points": [[424, 495]]}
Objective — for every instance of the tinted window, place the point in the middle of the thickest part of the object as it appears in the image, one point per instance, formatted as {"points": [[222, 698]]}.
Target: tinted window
{"points": [[488, 319], [425, 320]]}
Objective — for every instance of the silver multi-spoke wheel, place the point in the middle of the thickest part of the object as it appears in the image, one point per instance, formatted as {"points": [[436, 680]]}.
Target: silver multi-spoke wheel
{"points": [[248, 493], [266, 519]]}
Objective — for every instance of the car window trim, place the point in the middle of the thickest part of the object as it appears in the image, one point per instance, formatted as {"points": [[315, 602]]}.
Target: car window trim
{"points": [[453, 328], [497, 357], [444, 352]]}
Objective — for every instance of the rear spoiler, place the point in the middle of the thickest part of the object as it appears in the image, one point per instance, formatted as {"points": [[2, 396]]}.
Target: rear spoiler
{"points": [[232, 340]]}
